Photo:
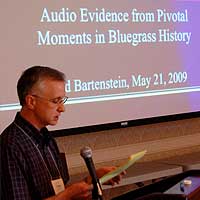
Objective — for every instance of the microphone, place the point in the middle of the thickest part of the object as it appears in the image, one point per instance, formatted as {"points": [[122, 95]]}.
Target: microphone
{"points": [[86, 154]]}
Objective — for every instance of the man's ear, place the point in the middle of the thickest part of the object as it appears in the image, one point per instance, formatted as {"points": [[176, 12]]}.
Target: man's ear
{"points": [[30, 101]]}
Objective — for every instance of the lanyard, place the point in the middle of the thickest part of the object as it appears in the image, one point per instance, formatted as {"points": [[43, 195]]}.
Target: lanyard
{"points": [[36, 147]]}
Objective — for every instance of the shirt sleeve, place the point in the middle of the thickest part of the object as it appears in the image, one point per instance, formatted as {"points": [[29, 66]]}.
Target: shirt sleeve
{"points": [[14, 178]]}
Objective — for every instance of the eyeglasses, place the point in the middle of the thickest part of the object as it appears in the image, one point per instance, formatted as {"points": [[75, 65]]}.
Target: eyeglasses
{"points": [[57, 101]]}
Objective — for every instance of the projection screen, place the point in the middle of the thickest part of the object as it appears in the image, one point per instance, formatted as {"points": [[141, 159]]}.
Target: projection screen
{"points": [[124, 60]]}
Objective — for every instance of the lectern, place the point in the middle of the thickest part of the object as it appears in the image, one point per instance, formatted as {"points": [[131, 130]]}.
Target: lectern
{"points": [[174, 187]]}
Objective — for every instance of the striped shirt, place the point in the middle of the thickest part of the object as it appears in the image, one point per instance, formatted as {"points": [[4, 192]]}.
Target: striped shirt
{"points": [[29, 161]]}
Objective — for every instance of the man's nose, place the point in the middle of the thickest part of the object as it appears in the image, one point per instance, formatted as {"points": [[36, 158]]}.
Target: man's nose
{"points": [[61, 107]]}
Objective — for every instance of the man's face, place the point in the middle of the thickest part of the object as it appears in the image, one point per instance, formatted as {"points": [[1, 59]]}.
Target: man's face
{"points": [[48, 96]]}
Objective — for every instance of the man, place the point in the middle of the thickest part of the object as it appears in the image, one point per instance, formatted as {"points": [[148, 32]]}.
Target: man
{"points": [[31, 166]]}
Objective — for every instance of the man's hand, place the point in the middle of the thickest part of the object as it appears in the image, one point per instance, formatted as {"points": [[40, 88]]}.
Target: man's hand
{"points": [[76, 191], [104, 170]]}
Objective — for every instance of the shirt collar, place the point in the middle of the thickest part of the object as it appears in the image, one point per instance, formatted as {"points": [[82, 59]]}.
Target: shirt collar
{"points": [[41, 137]]}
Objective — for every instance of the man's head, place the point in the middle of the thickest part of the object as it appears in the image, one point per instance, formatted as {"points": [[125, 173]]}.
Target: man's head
{"points": [[34, 76], [41, 92]]}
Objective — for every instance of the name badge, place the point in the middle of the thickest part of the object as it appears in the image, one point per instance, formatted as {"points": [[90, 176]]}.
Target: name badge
{"points": [[58, 185]]}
